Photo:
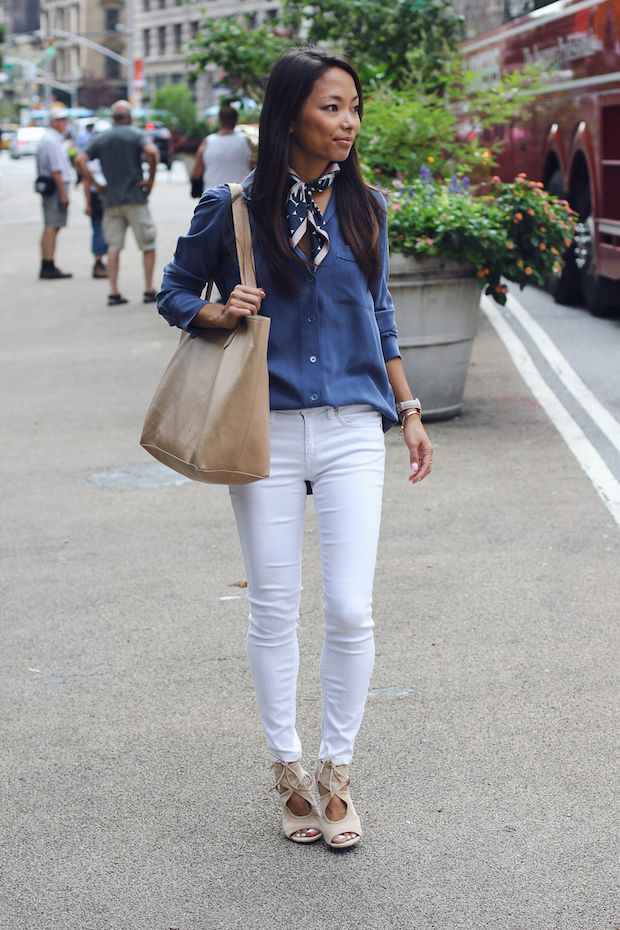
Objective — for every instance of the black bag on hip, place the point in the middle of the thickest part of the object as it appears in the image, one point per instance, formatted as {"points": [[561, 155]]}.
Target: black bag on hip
{"points": [[44, 185]]}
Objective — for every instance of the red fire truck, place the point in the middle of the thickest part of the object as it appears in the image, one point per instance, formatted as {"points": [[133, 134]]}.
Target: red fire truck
{"points": [[571, 140]]}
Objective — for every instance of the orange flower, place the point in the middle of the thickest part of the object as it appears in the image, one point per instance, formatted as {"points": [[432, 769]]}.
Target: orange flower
{"points": [[509, 245], [543, 229], [480, 274], [542, 246], [522, 175], [567, 242], [498, 288], [430, 158], [520, 263], [531, 212], [518, 217], [554, 252], [528, 270]]}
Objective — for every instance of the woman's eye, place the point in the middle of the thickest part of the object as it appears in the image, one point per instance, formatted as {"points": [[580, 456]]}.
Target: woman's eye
{"points": [[332, 108]]}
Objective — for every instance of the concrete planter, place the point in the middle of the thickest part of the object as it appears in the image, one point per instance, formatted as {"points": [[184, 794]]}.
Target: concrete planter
{"points": [[437, 303]]}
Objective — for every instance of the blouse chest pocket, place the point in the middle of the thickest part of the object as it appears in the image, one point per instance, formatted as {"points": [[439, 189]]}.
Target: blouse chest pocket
{"points": [[348, 281]]}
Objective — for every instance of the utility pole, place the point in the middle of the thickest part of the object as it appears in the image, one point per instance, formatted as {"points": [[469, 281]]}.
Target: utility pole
{"points": [[130, 51], [50, 51]]}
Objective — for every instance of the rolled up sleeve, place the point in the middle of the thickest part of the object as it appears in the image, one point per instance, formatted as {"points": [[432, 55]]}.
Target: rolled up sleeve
{"points": [[196, 260], [384, 305]]}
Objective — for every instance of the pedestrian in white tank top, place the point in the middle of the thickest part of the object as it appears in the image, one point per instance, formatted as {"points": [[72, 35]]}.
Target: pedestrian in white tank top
{"points": [[223, 157]]}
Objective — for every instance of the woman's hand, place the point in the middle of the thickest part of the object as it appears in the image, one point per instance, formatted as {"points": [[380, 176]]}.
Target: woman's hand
{"points": [[243, 301], [420, 448]]}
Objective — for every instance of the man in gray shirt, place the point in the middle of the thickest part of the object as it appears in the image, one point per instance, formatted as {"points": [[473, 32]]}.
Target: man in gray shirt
{"points": [[53, 162], [120, 151]]}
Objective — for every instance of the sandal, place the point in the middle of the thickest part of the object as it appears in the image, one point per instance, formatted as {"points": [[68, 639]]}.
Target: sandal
{"points": [[115, 299], [149, 297], [291, 779], [333, 781]]}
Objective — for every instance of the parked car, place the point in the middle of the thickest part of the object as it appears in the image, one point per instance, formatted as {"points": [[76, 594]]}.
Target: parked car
{"points": [[26, 141], [162, 138], [8, 131]]}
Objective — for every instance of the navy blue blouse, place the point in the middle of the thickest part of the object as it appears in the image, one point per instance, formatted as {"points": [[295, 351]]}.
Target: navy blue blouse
{"points": [[329, 345]]}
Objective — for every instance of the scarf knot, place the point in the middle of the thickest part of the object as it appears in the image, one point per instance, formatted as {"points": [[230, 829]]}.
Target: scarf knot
{"points": [[302, 213]]}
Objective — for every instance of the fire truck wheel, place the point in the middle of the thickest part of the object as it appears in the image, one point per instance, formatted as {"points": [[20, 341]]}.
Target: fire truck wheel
{"points": [[566, 287], [600, 295]]}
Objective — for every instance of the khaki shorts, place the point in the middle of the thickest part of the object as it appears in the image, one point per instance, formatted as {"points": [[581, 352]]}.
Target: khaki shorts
{"points": [[117, 219]]}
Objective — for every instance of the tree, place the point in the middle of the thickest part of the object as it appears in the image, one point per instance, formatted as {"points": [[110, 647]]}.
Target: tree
{"points": [[178, 110], [245, 56], [391, 39], [96, 93], [448, 131]]}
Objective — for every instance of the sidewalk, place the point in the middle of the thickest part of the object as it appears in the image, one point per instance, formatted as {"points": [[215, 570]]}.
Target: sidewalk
{"points": [[134, 779]]}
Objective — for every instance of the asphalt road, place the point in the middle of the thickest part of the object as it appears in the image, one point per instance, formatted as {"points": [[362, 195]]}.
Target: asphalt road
{"points": [[133, 778]]}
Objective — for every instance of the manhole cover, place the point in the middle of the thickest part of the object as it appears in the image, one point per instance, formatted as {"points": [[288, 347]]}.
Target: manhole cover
{"points": [[149, 475]]}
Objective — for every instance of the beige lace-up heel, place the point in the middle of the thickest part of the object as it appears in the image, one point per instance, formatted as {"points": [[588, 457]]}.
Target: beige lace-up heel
{"points": [[291, 779], [333, 781]]}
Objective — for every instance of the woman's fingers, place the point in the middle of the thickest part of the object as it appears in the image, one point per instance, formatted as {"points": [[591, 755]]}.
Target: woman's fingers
{"points": [[246, 298], [243, 301], [421, 461]]}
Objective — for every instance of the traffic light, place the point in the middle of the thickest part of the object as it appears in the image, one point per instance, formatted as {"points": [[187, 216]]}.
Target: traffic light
{"points": [[50, 50]]}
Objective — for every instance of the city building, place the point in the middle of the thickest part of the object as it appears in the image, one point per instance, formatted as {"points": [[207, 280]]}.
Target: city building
{"points": [[164, 29], [100, 79]]}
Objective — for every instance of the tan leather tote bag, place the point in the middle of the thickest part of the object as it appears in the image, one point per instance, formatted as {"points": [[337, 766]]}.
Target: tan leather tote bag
{"points": [[209, 418]]}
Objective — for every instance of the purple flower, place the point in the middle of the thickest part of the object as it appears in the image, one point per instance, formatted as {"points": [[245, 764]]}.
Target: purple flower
{"points": [[454, 187], [466, 183], [425, 172]]}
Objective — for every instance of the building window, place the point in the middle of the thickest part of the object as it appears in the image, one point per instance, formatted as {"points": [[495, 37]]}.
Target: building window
{"points": [[146, 41], [160, 81], [111, 19], [271, 14], [251, 20], [177, 78], [162, 4], [112, 69], [178, 37], [60, 19], [146, 5], [161, 40], [193, 29]]}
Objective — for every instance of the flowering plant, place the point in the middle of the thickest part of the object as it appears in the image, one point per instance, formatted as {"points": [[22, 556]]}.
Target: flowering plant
{"points": [[517, 231]]}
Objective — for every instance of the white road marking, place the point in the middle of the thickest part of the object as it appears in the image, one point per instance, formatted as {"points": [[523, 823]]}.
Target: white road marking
{"points": [[567, 375], [607, 487]]}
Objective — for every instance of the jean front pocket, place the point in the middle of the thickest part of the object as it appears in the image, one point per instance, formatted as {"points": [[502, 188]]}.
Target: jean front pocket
{"points": [[358, 416]]}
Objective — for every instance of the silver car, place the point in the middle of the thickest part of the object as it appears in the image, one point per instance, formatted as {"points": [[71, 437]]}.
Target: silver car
{"points": [[26, 141]]}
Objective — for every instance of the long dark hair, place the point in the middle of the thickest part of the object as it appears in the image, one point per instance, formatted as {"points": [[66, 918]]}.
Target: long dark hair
{"points": [[360, 213]]}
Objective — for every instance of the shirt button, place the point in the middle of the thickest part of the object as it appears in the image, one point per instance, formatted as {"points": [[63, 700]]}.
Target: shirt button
{"points": [[311, 319], [314, 397], [310, 277], [313, 358]]}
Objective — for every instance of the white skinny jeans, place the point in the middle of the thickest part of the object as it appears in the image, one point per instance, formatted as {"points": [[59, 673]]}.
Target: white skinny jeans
{"points": [[342, 452]]}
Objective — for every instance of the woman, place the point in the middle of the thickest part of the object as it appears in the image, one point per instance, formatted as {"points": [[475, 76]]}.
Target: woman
{"points": [[94, 209], [320, 246], [224, 155]]}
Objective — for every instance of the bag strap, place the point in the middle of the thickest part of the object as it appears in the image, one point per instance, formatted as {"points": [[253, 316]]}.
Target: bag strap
{"points": [[243, 236], [243, 239]]}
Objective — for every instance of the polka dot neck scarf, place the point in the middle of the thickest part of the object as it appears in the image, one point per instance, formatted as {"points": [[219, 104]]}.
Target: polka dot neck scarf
{"points": [[302, 213]]}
